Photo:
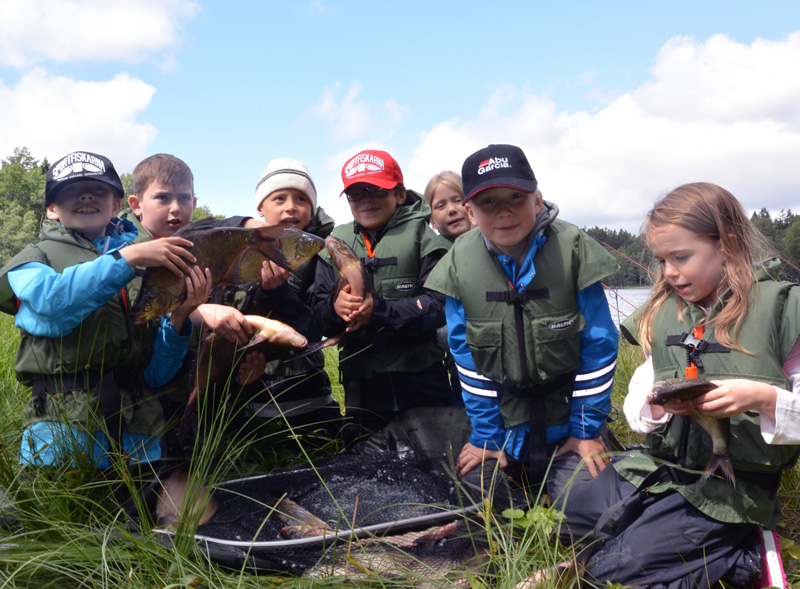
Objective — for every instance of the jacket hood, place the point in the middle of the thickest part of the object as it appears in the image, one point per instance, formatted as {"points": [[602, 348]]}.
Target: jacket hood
{"points": [[321, 224]]}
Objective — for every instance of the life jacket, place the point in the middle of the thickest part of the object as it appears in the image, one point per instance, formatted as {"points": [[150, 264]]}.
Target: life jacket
{"points": [[527, 341], [769, 331], [105, 344], [392, 268]]}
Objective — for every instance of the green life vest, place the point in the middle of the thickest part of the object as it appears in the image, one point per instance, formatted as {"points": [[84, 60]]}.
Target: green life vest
{"points": [[105, 340], [548, 347], [394, 274], [770, 330]]}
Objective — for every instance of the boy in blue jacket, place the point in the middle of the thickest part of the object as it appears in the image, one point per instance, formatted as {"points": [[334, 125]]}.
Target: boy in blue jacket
{"points": [[529, 325], [89, 367]]}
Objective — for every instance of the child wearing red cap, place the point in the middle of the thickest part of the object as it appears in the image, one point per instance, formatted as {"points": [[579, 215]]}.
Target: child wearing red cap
{"points": [[390, 360]]}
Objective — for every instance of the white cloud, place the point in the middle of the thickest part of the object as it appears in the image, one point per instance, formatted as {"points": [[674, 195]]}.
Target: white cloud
{"points": [[348, 117], [54, 115], [717, 111], [35, 31]]}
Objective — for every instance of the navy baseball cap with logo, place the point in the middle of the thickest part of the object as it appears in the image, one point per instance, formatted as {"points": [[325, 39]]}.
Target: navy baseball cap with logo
{"points": [[80, 165], [497, 165]]}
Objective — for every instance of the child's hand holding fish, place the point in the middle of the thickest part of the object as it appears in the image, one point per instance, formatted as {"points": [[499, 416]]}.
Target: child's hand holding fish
{"points": [[251, 367], [227, 322], [356, 311], [731, 397], [168, 252], [198, 287], [272, 275]]}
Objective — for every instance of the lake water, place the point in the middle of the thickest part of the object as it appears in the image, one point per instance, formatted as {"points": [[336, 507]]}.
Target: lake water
{"points": [[624, 301]]}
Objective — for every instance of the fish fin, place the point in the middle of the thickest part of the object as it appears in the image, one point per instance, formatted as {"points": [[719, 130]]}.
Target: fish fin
{"points": [[245, 267], [327, 343], [720, 462], [254, 341], [270, 245]]}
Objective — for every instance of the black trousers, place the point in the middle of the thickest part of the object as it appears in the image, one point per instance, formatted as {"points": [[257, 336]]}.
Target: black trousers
{"points": [[657, 540]]}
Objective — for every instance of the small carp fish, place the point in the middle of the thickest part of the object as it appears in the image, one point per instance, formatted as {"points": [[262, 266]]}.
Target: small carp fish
{"points": [[346, 261], [301, 522], [178, 501], [673, 389], [233, 255]]}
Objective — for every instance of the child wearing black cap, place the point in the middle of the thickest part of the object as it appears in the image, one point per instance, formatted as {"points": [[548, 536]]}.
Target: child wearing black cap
{"points": [[79, 350], [529, 325], [390, 360]]}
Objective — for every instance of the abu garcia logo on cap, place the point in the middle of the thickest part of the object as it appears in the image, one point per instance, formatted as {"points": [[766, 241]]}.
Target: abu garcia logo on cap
{"points": [[78, 163], [493, 163]]}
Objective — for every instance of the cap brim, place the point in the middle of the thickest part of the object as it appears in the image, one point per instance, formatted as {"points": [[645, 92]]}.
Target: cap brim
{"points": [[385, 184], [526, 186]]}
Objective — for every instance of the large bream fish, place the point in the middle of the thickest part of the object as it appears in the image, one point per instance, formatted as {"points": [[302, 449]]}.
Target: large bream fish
{"points": [[233, 255], [673, 389]]}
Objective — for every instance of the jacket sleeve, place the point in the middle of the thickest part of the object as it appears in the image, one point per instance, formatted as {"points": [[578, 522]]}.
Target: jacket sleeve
{"points": [[481, 395], [52, 304], [321, 294], [169, 349], [591, 395], [418, 314], [285, 304]]}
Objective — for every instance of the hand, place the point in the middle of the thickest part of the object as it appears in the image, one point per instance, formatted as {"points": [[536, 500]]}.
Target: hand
{"points": [[363, 315], [731, 397], [251, 367], [198, 287], [592, 450], [272, 275], [472, 456], [226, 321], [169, 252], [355, 310]]}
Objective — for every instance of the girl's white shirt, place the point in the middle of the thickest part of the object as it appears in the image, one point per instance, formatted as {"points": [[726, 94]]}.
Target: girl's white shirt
{"points": [[783, 429]]}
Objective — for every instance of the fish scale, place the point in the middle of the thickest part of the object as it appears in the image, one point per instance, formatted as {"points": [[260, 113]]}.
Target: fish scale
{"points": [[233, 255]]}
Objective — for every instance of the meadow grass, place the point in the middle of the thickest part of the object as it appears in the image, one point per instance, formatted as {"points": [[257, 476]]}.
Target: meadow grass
{"points": [[69, 529]]}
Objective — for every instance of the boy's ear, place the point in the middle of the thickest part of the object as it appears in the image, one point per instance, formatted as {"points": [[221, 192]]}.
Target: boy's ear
{"points": [[136, 206], [472, 218], [401, 196], [116, 207], [51, 212]]}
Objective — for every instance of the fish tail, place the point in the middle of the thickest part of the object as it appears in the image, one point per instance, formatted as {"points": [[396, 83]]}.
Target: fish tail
{"points": [[720, 462]]}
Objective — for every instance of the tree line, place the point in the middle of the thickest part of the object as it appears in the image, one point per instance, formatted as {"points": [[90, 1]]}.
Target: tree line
{"points": [[22, 181], [636, 262]]}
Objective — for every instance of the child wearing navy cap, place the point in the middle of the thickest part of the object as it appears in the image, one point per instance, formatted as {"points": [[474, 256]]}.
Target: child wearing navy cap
{"points": [[529, 325], [89, 367]]}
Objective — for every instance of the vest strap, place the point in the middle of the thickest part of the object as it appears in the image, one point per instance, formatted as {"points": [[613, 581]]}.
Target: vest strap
{"points": [[372, 264], [695, 347], [513, 296]]}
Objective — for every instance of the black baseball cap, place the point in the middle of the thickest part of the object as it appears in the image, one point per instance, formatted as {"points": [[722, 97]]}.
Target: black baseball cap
{"points": [[80, 165], [497, 165]]}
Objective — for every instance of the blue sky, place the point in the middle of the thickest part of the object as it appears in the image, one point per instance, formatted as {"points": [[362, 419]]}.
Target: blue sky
{"points": [[614, 103]]}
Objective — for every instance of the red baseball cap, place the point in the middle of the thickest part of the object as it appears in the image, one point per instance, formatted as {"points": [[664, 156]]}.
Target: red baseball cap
{"points": [[372, 167]]}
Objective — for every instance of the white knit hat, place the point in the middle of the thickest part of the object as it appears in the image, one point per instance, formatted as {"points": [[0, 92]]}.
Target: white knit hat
{"points": [[284, 173]]}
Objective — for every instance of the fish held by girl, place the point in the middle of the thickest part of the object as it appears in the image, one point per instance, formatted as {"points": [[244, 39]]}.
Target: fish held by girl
{"points": [[680, 389]]}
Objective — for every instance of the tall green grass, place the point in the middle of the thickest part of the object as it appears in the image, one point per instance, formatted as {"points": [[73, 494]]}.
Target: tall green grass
{"points": [[70, 528]]}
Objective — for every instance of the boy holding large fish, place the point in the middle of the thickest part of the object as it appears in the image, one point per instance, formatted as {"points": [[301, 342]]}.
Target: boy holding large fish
{"points": [[90, 368], [722, 342], [389, 360]]}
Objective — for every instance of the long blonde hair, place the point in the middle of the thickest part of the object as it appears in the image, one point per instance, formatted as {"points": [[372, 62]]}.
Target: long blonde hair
{"points": [[709, 211]]}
